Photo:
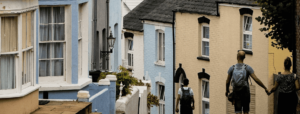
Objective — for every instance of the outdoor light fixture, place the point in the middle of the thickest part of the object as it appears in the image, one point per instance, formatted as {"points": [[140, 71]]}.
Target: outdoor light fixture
{"points": [[111, 41]]}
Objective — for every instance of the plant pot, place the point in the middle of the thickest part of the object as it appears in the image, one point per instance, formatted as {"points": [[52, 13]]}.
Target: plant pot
{"points": [[95, 75]]}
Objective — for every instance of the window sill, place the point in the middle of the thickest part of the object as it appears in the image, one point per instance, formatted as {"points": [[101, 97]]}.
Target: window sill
{"points": [[203, 58], [160, 63], [23, 93], [248, 52], [63, 85]]}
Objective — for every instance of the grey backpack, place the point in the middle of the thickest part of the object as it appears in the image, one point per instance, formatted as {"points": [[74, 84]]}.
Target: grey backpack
{"points": [[239, 79]]}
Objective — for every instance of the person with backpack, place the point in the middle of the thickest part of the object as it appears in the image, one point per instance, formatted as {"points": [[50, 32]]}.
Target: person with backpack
{"points": [[238, 74], [186, 96], [287, 84]]}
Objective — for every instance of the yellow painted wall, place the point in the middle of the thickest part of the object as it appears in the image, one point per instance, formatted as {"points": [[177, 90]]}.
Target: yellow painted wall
{"points": [[21, 105], [276, 64], [225, 40]]}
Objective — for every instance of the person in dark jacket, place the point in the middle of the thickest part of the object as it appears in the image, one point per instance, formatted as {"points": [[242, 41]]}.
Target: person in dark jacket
{"points": [[186, 97], [287, 84]]}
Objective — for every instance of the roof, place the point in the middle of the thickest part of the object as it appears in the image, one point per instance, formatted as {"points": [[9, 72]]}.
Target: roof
{"points": [[162, 10]]}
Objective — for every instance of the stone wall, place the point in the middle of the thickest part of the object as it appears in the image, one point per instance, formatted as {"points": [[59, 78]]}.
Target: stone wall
{"points": [[297, 24]]}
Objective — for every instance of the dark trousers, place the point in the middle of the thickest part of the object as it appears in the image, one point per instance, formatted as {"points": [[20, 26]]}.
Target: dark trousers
{"points": [[186, 109], [287, 103]]}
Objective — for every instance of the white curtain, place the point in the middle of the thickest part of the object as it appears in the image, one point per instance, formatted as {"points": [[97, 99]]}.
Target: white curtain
{"points": [[51, 54], [7, 72]]}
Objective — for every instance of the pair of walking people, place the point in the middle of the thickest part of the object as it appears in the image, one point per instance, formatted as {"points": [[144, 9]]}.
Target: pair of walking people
{"points": [[239, 74], [287, 83]]}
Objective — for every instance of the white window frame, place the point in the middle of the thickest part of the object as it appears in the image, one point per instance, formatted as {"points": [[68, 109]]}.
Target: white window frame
{"points": [[202, 94], [19, 86], [161, 101], [130, 52], [162, 54], [247, 32], [62, 41], [204, 39], [80, 36], [31, 51]]}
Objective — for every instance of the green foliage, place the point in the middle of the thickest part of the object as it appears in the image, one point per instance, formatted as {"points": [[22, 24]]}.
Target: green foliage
{"points": [[278, 19], [152, 100], [124, 77]]}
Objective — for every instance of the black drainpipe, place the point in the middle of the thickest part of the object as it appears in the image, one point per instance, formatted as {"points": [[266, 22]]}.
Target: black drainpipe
{"points": [[107, 32], [173, 61]]}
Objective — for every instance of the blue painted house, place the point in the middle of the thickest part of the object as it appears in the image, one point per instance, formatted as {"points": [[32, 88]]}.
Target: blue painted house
{"points": [[115, 22], [65, 46], [154, 19]]}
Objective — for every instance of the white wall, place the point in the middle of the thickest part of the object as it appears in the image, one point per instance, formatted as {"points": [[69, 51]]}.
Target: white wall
{"points": [[138, 59], [6, 5], [129, 103]]}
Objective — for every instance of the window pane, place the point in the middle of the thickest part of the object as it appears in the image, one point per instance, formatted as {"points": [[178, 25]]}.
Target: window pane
{"points": [[205, 48], [7, 72], [205, 32], [163, 47], [247, 23], [45, 27], [9, 34], [247, 41], [44, 51], [57, 50], [57, 67], [205, 107], [45, 15], [129, 59], [162, 92], [130, 44], [44, 68], [206, 89], [58, 14], [59, 31], [45, 32], [159, 47]]}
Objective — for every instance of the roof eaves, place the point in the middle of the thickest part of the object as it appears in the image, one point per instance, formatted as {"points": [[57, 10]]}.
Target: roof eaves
{"points": [[219, 2], [193, 12], [134, 29], [156, 20]]}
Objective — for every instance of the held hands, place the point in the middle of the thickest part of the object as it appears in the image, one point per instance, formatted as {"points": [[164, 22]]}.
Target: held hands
{"points": [[267, 91], [226, 93]]}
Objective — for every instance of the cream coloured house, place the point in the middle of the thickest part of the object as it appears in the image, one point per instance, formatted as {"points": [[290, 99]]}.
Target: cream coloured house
{"points": [[208, 36]]}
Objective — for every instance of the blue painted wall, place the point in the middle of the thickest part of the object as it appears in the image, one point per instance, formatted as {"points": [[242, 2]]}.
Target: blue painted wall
{"points": [[115, 17], [104, 103], [150, 57], [74, 43]]}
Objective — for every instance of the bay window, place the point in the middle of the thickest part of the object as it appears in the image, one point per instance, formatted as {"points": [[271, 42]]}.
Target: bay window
{"points": [[52, 41]]}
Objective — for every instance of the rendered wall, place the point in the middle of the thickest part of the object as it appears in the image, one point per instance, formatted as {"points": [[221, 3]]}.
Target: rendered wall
{"points": [[276, 64], [150, 57], [225, 41], [21, 105], [115, 17], [103, 103]]}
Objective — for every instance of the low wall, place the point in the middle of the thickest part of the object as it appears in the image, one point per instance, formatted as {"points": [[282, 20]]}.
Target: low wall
{"points": [[143, 99], [21, 105], [128, 104], [102, 96]]}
